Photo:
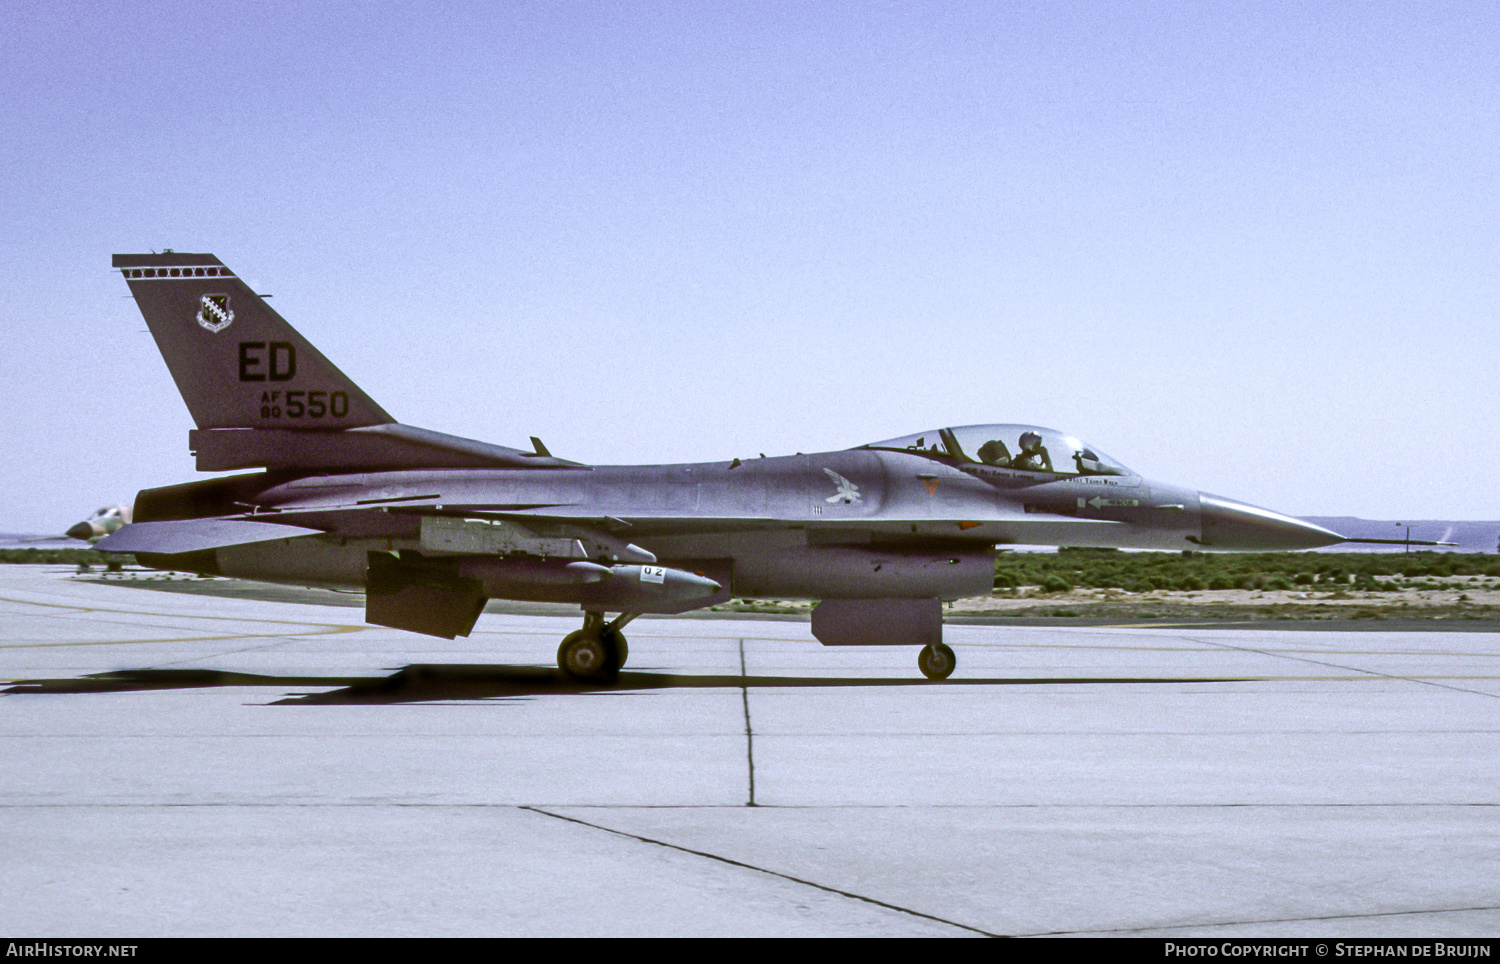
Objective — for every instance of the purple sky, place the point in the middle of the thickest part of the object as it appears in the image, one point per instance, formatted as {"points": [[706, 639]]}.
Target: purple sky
{"points": [[1248, 248]]}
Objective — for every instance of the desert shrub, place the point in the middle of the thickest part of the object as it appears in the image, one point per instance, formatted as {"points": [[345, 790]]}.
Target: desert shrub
{"points": [[1143, 571], [65, 556]]}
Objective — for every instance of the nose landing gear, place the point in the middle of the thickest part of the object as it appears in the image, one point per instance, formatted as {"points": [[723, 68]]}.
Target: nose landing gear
{"points": [[596, 652], [936, 661]]}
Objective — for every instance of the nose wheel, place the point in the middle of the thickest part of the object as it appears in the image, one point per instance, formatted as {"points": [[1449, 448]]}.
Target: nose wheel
{"points": [[936, 661], [596, 652]]}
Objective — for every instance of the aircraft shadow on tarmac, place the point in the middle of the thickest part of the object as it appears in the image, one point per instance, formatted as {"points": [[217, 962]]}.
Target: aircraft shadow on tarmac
{"points": [[433, 682]]}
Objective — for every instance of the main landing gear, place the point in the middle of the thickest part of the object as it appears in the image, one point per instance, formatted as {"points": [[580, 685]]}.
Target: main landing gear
{"points": [[936, 661], [596, 652]]}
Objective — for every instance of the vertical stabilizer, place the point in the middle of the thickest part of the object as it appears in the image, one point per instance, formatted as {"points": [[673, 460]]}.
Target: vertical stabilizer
{"points": [[237, 363]]}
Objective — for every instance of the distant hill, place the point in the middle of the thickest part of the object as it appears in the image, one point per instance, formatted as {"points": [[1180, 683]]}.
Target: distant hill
{"points": [[13, 540], [1470, 536]]}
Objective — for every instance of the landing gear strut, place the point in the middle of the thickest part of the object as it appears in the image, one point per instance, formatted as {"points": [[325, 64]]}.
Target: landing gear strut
{"points": [[596, 652], [936, 661]]}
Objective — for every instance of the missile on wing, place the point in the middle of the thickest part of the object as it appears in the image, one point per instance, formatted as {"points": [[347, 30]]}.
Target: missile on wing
{"points": [[619, 588], [449, 594]]}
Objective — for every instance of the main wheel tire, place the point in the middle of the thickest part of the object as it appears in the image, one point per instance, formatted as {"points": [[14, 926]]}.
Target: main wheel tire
{"points": [[584, 655], [615, 640], [936, 661]]}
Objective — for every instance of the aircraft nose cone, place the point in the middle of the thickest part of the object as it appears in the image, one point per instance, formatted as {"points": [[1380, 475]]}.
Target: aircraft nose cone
{"points": [[80, 531], [1240, 527]]}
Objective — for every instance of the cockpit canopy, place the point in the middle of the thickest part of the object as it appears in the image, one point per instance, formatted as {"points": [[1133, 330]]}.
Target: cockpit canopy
{"points": [[1030, 448]]}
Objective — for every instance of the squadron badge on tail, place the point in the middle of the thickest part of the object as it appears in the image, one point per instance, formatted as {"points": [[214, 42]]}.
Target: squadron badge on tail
{"points": [[214, 313]]}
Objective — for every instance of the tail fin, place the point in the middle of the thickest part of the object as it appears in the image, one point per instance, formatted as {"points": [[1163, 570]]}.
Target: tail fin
{"points": [[264, 397], [237, 363]]}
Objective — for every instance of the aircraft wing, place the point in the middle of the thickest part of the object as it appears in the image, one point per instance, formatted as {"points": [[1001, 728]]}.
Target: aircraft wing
{"points": [[993, 528], [192, 535], [396, 520], [619, 534]]}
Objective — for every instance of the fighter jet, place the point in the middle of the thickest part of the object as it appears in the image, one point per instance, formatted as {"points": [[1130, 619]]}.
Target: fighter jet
{"points": [[431, 526], [102, 523], [105, 520]]}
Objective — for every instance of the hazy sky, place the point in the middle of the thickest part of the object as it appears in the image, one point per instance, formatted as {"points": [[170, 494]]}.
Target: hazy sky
{"points": [[1251, 248]]}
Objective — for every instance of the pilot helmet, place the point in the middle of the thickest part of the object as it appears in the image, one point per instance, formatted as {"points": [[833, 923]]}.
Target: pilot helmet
{"points": [[1030, 440]]}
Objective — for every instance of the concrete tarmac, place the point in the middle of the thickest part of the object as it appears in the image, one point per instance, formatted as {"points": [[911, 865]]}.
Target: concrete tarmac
{"points": [[191, 764]]}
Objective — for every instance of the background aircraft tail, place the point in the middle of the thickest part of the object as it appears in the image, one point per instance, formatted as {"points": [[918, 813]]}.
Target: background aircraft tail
{"points": [[237, 363]]}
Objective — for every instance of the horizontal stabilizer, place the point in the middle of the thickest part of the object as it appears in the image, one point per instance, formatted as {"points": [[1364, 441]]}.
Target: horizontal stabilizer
{"points": [[193, 535]]}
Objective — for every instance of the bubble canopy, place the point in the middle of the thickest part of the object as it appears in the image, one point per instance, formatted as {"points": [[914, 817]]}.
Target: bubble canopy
{"points": [[1029, 448]]}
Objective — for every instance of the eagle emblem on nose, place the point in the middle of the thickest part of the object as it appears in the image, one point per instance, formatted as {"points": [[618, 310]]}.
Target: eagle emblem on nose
{"points": [[848, 491]]}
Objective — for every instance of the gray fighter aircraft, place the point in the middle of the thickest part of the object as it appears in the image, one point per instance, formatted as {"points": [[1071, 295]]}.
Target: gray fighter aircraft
{"points": [[430, 526], [105, 520], [102, 523]]}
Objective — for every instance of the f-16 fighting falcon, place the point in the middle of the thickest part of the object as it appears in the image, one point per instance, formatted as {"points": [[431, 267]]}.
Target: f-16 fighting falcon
{"points": [[430, 526], [105, 520], [102, 523]]}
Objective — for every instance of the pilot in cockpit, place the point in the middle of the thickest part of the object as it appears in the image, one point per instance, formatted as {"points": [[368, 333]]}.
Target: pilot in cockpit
{"points": [[1033, 455], [994, 452]]}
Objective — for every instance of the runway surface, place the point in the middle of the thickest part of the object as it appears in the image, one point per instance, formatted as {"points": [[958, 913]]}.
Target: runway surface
{"points": [[186, 764]]}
